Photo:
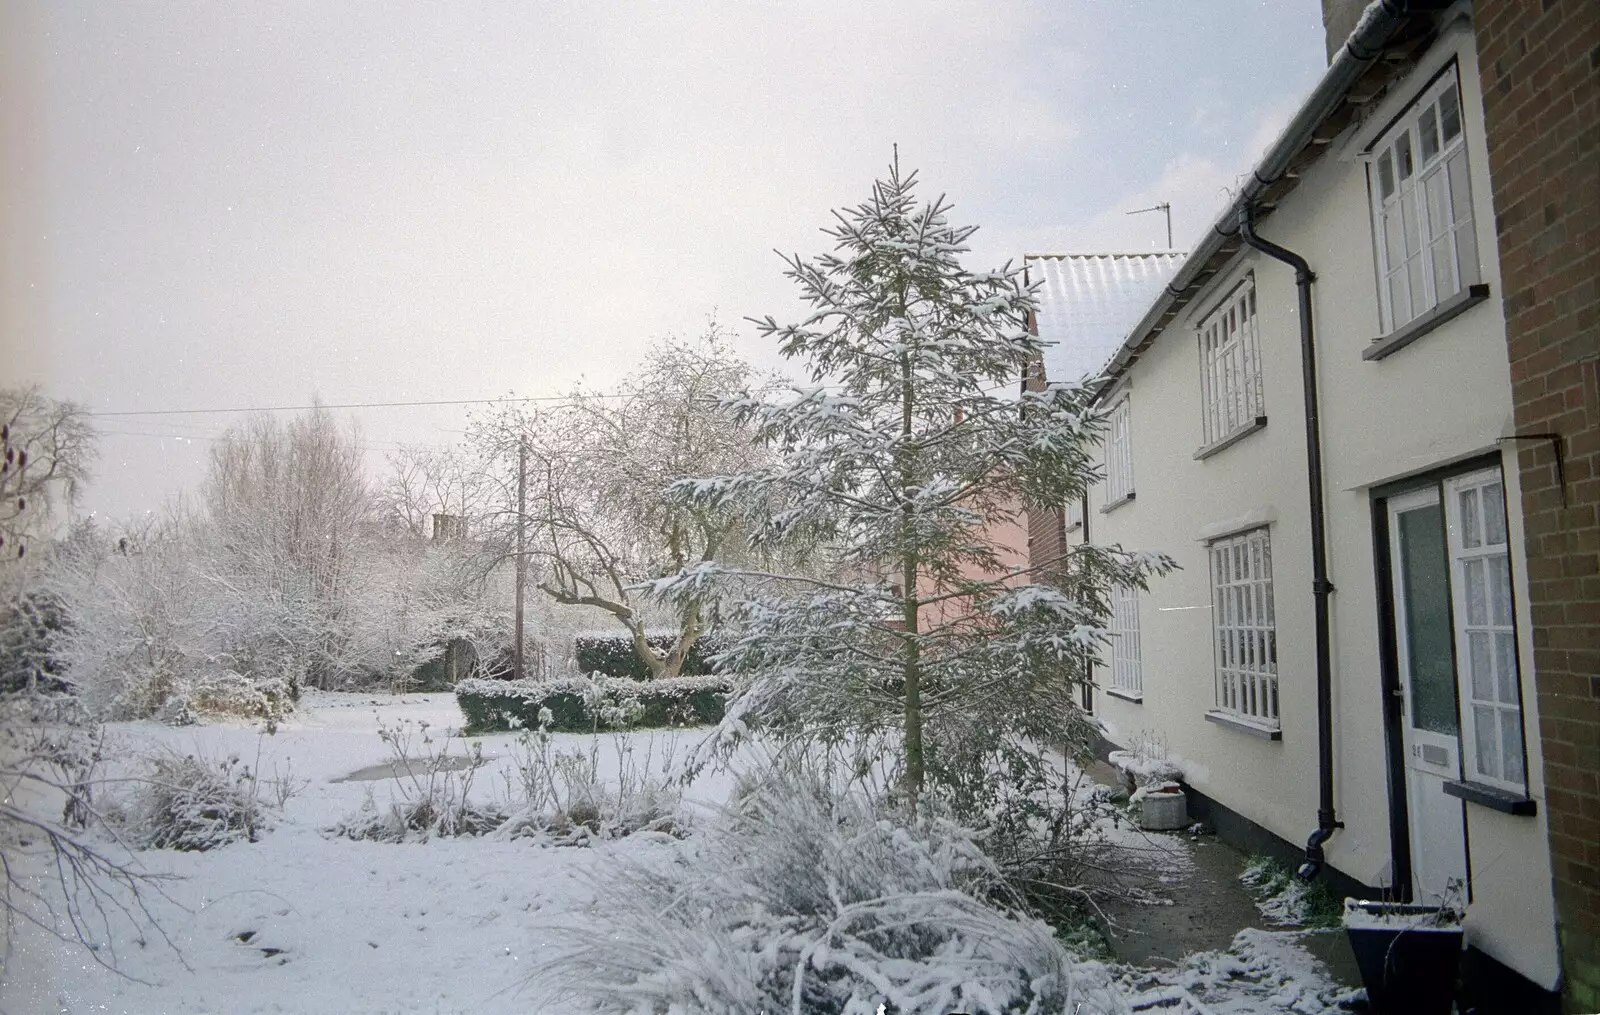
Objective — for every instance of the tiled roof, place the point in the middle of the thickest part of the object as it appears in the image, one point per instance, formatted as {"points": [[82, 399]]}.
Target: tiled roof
{"points": [[1089, 303]]}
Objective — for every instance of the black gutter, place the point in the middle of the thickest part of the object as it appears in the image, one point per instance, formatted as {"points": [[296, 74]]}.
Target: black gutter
{"points": [[1321, 588]]}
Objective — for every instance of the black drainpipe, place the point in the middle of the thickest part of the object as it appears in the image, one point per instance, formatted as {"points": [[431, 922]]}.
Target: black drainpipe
{"points": [[1327, 819]]}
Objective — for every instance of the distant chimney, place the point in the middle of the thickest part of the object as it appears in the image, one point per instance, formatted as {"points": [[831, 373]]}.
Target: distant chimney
{"points": [[1339, 19], [449, 527]]}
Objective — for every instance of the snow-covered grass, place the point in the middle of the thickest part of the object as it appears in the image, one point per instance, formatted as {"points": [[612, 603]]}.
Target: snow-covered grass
{"points": [[305, 921], [1284, 899], [446, 926], [1262, 973]]}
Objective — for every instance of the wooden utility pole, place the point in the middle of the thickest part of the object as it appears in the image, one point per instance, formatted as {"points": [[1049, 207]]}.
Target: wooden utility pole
{"points": [[522, 559]]}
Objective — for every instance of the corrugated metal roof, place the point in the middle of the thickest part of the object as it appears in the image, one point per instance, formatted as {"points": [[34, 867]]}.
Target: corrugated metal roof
{"points": [[1089, 302]]}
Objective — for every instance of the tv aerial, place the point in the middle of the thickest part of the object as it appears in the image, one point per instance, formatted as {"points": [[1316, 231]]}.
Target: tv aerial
{"points": [[1164, 206]]}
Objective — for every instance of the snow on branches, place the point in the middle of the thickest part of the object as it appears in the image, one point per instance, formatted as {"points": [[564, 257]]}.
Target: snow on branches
{"points": [[910, 457]]}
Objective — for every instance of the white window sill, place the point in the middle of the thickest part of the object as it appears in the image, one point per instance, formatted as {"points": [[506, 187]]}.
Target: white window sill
{"points": [[1124, 499], [1414, 329], [1259, 423], [1230, 721], [1117, 692]]}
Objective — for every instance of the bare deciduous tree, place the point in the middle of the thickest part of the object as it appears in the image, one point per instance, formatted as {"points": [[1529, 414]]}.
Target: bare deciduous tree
{"points": [[598, 466], [425, 482], [46, 446], [288, 502]]}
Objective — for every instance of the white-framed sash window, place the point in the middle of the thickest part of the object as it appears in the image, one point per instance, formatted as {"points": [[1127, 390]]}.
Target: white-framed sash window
{"points": [[1119, 452], [1485, 630], [1422, 206], [1230, 366], [1127, 675], [1245, 627]]}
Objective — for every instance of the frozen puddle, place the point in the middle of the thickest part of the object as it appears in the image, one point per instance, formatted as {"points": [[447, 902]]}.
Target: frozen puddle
{"points": [[414, 768]]}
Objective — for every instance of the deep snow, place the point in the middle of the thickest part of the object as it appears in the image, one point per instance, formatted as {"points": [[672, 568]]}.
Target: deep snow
{"points": [[303, 922]]}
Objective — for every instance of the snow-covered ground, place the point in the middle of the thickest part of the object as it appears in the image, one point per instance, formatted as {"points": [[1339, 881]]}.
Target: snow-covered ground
{"points": [[301, 921]]}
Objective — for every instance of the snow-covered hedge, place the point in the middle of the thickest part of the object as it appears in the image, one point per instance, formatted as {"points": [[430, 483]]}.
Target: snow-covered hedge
{"points": [[613, 655], [579, 704]]}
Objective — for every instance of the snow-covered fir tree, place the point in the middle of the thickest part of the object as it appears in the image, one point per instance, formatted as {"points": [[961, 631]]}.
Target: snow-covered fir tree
{"points": [[909, 453]]}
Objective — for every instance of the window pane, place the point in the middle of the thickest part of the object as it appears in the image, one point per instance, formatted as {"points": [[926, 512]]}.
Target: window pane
{"points": [[1419, 295], [1511, 745], [1436, 193], [1385, 175], [1500, 589], [1487, 734], [1399, 302], [1505, 665], [1444, 269], [1428, 128], [1477, 593], [1450, 114], [1494, 514], [1482, 666], [1461, 208], [1402, 155], [1460, 187], [1470, 531], [1410, 222], [1394, 238]]}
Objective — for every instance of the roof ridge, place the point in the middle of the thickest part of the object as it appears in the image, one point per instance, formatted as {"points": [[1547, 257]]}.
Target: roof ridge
{"points": [[1106, 253]]}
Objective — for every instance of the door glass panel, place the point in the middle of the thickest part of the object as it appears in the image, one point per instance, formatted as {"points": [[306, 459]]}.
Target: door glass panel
{"points": [[1426, 587]]}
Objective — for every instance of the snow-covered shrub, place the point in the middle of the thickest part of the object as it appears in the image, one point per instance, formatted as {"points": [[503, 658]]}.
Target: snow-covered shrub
{"points": [[27, 623], [563, 797], [230, 693], [430, 797], [191, 802], [582, 704], [803, 898], [613, 654]]}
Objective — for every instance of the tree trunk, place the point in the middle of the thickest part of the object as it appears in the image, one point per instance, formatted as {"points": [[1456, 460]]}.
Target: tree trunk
{"points": [[914, 773]]}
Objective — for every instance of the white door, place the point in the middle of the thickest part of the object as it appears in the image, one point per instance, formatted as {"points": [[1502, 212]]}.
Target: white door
{"points": [[1424, 638]]}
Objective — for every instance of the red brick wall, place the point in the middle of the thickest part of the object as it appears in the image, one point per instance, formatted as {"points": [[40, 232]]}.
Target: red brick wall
{"points": [[1540, 69]]}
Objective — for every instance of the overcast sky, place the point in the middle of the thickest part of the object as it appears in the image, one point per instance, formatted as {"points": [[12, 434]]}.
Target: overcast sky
{"points": [[214, 205]]}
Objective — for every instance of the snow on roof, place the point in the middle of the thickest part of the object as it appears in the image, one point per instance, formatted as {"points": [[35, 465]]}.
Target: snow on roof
{"points": [[1089, 302]]}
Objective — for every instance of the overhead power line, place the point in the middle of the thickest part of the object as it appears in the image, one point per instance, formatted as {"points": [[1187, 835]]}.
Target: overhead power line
{"points": [[347, 405], [388, 405]]}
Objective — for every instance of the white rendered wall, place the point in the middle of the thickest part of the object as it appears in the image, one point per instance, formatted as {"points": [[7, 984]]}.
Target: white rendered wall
{"points": [[1443, 399]]}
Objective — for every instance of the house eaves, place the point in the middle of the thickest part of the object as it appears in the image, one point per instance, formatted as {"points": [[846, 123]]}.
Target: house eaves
{"points": [[1385, 44]]}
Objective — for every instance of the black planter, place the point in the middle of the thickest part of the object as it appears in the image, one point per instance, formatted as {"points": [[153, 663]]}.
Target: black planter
{"points": [[1411, 968]]}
